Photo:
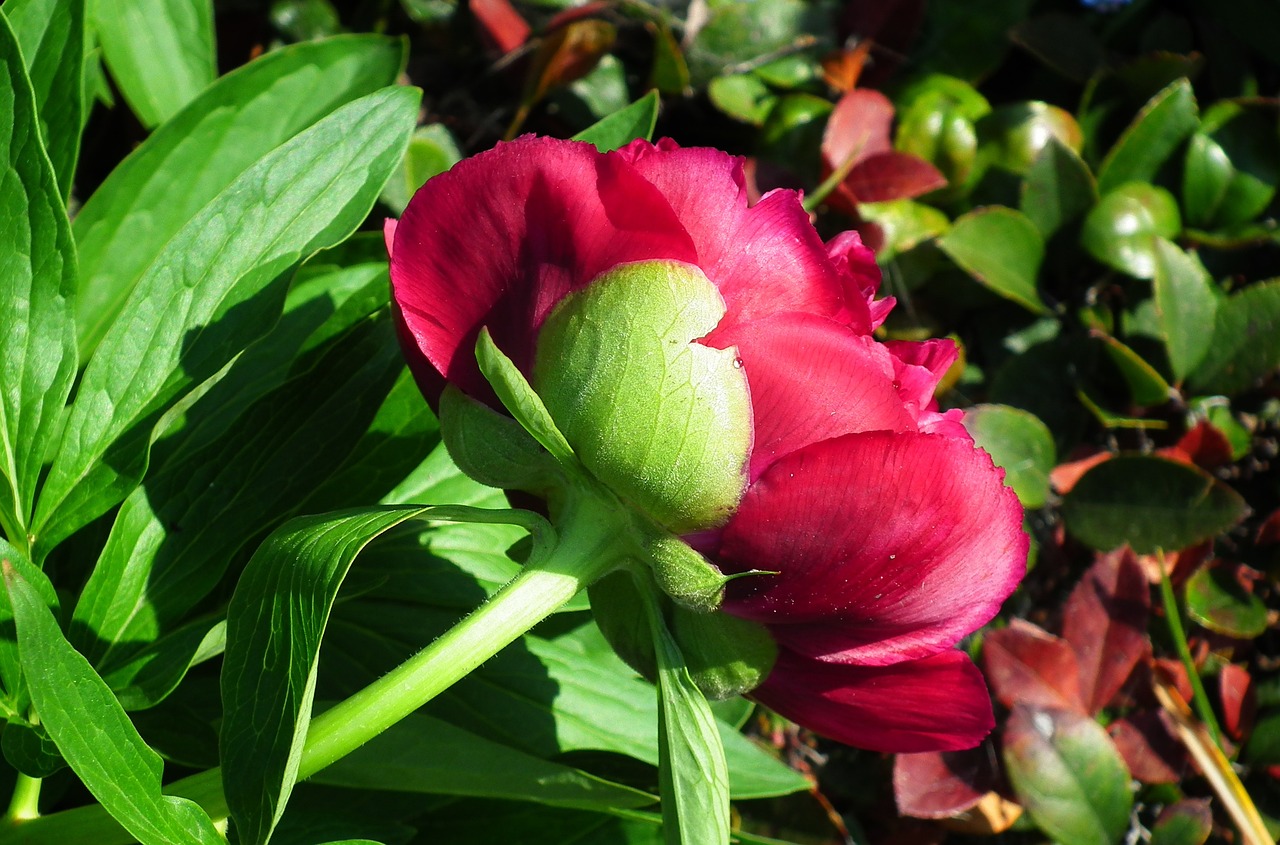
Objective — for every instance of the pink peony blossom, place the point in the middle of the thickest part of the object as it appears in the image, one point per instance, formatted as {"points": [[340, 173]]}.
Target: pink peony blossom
{"points": [[891, 534]]}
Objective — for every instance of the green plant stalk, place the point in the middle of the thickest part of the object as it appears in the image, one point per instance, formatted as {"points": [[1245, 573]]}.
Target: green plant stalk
{"points": [[833, 181], [26, 799], [589, 546], [1199, 698]]}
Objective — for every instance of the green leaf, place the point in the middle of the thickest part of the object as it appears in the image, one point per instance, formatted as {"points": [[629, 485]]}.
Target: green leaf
{"points": [[37, 288], [160, 52], [174, 538], [94, 733], [1246, 341], [1187, 822], [424, 754], [1186, 302], [1156, 131], [246, 114], [1150, 503], [1058, 188], [622, 127], [1217, 600], [1232, 166], [1122, 229], [1068, 775], [1146, 386], [691, 766], [52, 36], [519, 398], [906, 224], [11, 670], [742, 96], [1002, 249], [217, 286], [1019, 443]]}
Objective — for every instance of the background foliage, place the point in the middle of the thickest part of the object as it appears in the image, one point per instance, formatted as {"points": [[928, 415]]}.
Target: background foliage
{"points": [[1082, 195]]}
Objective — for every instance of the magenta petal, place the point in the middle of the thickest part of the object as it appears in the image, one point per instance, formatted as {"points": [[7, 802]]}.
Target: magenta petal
{"points": [[499, 239], [813, 379], [888, 547], [939, 703], [765, 259], [920, 366]]}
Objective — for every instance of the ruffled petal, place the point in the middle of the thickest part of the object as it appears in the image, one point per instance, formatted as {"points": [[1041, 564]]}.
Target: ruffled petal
{"points": [[500, 238], [939, 703], [920, 365], [856, 263], [888, 547], [765, 259], [813, 379]]}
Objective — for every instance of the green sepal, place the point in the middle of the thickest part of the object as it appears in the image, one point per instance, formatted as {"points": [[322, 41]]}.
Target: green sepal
{"points": [[685, 576], [660, 419], [493, 448], [725, 655]]}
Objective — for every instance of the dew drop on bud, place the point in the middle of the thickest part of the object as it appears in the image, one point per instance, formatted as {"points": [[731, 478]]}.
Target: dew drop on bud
{"points": [[737, 363]]}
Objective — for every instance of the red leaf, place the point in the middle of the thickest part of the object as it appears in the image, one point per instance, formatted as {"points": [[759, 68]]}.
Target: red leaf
{"points": [[1027, 665], [893, 176], [1239, 700], [1151, 752], [1105, 621], [1064, 476], [858, 128], [1269, 530], [935, 785], [1174, 673], [1204, 445], [501, 26]]}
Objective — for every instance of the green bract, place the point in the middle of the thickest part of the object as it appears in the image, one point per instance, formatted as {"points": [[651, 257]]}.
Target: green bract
{"points": [[661, 420]]}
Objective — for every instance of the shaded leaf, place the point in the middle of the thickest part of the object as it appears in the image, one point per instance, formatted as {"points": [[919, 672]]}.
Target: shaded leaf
{"points": [[1246, 341], [1067, 775], [203, 301], [1156, 131], [937, 785], [1221, 598], [95, 735], [1014, 136], [37, 289], [1150, 751], [51, 34], [1146, 386], [1027, 665], [160, 52], [1062, 41], [1058, 188], [1186, 302], [1150, 503], [1105, 621], [1002, 249], [1232, 166], [1187, 822]]}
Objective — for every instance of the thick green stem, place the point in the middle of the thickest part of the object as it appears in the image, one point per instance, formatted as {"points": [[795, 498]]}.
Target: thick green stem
{"points": [[26, 799], [1199, 698], [588, 547]]}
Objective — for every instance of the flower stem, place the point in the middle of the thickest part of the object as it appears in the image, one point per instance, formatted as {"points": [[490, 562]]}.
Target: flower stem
{"points": [[1199, 698], [588, 546], [26, 799]]}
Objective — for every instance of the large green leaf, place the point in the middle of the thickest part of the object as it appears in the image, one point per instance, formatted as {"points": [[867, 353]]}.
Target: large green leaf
{"points": [[37, 288], [94, 734], [175, 536], [217, 286], [247, 113], [1019, 443], [1150, 503], [52, 36], [1002, 249], [10, 666], [1186, 302], [424, 754], [622, 127], [1156, 131], [1058, 188], [160, 52], [1246, 341], [1069, 776]]}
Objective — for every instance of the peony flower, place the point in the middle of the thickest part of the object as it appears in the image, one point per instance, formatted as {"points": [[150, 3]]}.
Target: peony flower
{"points": [[887, 534]]}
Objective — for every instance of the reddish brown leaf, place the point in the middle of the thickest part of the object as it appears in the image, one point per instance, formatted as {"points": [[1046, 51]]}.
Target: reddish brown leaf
{"points": [[1174, 673], [1064, 476], [567, 54], [1027, 665], [1105, 621], [1269, 530], [1151, 752], [893, 176], [858, 128], [501, 26], [1239, 700], [936, 785], [1204, 445], [841, 68]]}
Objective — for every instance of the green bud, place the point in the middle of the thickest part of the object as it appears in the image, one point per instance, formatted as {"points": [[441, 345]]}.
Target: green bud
{"points": [[662, 421]]}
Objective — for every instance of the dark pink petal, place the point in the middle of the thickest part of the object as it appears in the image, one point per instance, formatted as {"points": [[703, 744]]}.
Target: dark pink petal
{"points": [[813, 379], [939, 703], [765, 259], [888, 547], [920, 366], [855, 260], [499, 239]]}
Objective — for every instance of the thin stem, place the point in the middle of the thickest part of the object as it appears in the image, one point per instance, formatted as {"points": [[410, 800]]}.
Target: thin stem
{"points": [[589, 545], [1199, 698], [833, 181], [25, 804]]}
